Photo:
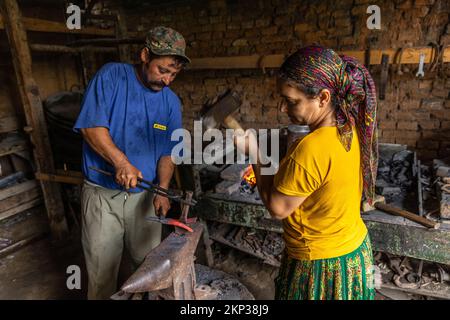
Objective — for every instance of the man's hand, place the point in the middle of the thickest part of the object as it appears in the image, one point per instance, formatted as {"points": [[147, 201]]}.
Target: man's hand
{"points": [[161, 204], [127, 175]]}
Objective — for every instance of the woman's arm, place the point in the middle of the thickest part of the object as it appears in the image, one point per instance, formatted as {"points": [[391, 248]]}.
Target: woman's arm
{"points": [[279, 205]]}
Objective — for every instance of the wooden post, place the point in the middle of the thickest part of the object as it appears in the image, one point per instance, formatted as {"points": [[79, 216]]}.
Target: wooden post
{"points": [[32, 104], [122, 33]]}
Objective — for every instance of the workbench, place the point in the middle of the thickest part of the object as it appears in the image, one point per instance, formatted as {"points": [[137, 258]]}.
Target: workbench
{"points": [[391, 234]]}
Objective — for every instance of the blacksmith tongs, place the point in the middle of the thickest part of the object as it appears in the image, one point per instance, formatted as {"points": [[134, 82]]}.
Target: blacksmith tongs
{"points": [[176, 196]]}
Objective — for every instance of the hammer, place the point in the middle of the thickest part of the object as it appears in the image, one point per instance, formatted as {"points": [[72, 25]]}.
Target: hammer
{"points": [[380, 204], [221, 112]]}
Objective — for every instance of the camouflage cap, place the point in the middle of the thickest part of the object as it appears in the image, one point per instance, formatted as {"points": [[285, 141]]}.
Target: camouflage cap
{"points": [[166, 41]]}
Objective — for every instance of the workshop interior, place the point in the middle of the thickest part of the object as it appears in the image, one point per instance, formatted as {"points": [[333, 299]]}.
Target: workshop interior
{"points": [[92, 190]]}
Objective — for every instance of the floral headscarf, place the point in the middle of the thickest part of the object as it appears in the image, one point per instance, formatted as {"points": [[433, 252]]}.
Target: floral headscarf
{"points": [[354, 89]]}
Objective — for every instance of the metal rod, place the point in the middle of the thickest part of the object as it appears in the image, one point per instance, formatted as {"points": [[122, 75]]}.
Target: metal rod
{"points": [[419, 189], [154, 188]]}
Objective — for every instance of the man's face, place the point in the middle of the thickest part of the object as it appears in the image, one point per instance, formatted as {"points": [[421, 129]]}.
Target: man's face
{"points": [[159, 72]]}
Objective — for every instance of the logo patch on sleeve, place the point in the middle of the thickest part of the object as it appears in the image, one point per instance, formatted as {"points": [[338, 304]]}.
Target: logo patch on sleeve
{"points": [[159, 126]]}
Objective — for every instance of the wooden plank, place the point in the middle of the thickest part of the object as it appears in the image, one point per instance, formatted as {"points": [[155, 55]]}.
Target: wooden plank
{"points": [[20, 198], [409, 56], [70, 173], [19, 244], [9, 124], [11, 179], [17, 189], [59, 178], [406, 214], [121, 31], [40, 25], [13, 211], [31, 101], [66, 49]]}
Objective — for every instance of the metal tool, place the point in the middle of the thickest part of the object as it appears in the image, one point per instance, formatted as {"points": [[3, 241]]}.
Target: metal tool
{"points": [[221, 112], [173, 222], [420, 72], [154, 188], [406, 214], [384, 75], [419, 189]]}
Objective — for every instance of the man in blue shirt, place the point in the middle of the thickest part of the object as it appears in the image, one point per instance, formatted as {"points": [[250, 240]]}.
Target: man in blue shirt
{"points": [[127, 117]]}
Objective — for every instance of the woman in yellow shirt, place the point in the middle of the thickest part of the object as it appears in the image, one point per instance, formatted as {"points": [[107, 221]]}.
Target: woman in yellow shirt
{"points": [[318, 188]]}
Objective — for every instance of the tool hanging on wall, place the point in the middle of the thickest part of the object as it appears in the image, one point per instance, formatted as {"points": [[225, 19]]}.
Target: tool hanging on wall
{"points": [[398, 58], [420, 72], [383, 76]]}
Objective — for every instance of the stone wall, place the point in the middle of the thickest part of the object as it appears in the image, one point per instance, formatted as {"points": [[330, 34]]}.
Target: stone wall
{"points": [[415, 112]]}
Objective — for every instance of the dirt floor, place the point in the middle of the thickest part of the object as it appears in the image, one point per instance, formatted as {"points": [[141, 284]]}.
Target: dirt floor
{"points": [[37, 270], [255, 275]]}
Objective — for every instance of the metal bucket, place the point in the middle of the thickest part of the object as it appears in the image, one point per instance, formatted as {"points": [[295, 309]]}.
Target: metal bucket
{"points": [[296, 132]]}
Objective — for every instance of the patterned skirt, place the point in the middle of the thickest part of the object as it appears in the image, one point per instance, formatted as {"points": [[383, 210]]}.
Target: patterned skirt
{"points": [[348, 277]]}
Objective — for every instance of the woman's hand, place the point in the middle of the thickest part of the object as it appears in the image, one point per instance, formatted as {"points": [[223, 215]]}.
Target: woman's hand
{"points": [[246, 143]]}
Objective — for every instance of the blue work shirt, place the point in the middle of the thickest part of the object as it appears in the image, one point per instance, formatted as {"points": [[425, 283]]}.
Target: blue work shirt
{"points": [[140, 122]]}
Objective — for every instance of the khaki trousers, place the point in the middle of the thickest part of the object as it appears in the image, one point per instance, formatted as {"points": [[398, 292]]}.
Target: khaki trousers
{"points": [[111, 220]]}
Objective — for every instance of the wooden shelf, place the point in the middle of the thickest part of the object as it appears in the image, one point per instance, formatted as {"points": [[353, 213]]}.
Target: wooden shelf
{"points": [[409, 56], [40, 25]]}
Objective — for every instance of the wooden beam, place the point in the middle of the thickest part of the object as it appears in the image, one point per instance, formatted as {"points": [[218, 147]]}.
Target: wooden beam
{"points": [[18, 189], [19, 244], [122, 32], [59, 178], [31, 101], [106, 41], [40, 25], [25, 193], [66, 49], [409, 56], [13, 211], [9, 124], [12, 145]]}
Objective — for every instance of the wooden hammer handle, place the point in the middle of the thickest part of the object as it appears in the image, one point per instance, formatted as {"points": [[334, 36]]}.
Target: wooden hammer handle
{"points": [[231, 123], [406, 214]]}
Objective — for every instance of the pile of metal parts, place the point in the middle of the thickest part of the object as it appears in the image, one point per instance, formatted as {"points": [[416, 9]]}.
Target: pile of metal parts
{"points": [[442, 180], [396, 171], [61, 111], [262, 244], [413, 276]]}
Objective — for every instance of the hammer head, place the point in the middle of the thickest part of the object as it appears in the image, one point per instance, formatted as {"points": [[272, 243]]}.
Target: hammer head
{"points": [[224, 107]]}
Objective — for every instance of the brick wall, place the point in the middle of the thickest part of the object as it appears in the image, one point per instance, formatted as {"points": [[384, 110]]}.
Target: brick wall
{"points": [[415, 112]]}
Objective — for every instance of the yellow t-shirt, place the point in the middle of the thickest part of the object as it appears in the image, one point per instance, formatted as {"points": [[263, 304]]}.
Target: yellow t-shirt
{"points": [[328, 224]]}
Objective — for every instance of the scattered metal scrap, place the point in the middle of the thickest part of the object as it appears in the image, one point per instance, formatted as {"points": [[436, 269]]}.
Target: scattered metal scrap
{"points": [[265, 245], [413, 275], [395, 171], [442, 178]]}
